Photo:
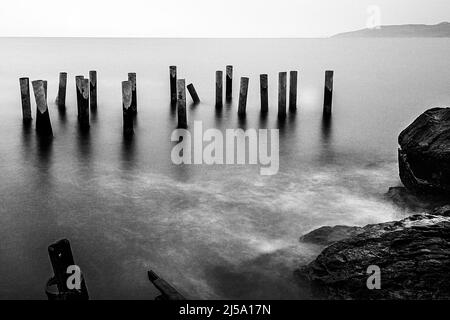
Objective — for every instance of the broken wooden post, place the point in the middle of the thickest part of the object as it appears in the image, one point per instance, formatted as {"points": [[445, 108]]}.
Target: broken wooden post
{"points": [[229, 83], [93, 90], [282, 77], [61, 98], [45, 88], [78, 80], [83, 115], [26, 101], [243, 97], [173, 84], [264, 85], [43, 124], [60, 287], [127, 91], [132, 78], [293, 91], [328, 93], [193, 93], [219, 89], [167, 291], [181, 104]]}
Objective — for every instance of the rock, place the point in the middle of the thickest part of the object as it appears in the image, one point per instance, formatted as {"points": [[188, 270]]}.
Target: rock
{"points": [[328, 235], [424, 153], [413, 255], [407, 200]]}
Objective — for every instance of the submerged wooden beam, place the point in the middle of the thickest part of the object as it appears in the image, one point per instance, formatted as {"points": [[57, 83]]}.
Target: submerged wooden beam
{"points": [[193, 93], [243, 97], [93, 90], [282, 77], [293, 91], [61, 98], [173, 84], [219, 88], [43, 124], [264, 85], [132, 78], [26, 100], [61, 258], [229, 83], [167, 291], [328, 93], [181, 104], [128, 115]]}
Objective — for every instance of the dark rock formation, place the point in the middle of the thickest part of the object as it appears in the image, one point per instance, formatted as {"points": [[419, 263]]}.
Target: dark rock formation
{"points": [[328, 235], [413, 255], [424, 154], [408, 200]]}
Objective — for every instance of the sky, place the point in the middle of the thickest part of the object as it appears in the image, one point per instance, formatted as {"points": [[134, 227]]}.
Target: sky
{"points": [[209, 18]]}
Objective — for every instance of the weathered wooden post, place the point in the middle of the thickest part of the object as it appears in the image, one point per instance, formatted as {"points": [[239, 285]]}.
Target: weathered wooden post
{"points": [[127, 88], [43, 124], [181, 104], [61, 98], [132, 78], [64, 266], [264, 85], [167, 291], [282, 77], [328, 93], [219, 89], [26, 101], [293, 91], [243, 97], [93, 90], [83, 116], [173, 84], [193, 93], [45, 88], [229, 83], [78, 80]]}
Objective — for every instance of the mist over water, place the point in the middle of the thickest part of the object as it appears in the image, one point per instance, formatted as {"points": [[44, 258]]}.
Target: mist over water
{"points": [[212, 231]]}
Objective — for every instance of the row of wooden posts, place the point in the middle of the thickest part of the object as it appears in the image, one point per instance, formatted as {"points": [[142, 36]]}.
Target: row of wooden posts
{"points": [[87, 97]]}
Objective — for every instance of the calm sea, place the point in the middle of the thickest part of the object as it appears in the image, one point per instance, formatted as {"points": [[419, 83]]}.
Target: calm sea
{"points": [[212, 231]]}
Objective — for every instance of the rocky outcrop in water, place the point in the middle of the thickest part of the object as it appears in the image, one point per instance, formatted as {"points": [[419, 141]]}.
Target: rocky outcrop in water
{"points": [[413, 256], [424, 153]]}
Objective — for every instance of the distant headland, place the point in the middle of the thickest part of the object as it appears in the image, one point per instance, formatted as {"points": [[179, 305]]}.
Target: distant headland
{"points": [[441, 30]]}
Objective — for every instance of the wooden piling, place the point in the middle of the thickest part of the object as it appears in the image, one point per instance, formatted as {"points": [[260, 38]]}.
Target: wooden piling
{"points": [[173, 84], [181, 104], [93, 90], [83, 116], [282, 77], [132, 78], [61, 98], [26, 101], [219, 88], [61, 259], [293, 91], [229, 83], [264, 85], [127, 92], [193, 93], [167, 291], [328, 93], [243, 97], [78, 80], [43, 124], [45, 88]]}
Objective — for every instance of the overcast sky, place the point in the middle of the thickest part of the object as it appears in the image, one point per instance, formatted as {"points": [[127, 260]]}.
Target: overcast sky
{"points": [[207, 18]]}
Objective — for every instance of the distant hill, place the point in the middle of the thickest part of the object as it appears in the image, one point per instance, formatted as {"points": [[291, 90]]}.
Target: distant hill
{"points": [[441, 30]]}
